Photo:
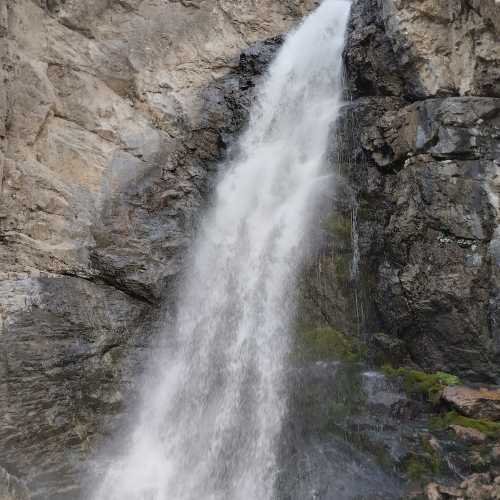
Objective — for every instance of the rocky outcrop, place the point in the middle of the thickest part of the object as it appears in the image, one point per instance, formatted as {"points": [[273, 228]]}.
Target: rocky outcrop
{"points": [[424, 49], [422, 157], [475, 403], [478, 486], [112, 114]]}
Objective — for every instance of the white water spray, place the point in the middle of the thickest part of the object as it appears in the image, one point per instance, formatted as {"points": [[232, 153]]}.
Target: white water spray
{"points": [[208, 428]]}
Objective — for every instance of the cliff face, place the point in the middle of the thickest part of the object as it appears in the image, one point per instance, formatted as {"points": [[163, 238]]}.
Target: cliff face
{"points": [[426, 118], [409, 246], [112, 115]]}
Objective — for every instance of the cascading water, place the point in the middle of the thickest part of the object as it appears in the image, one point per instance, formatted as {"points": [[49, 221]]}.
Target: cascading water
{"points": [[208, 426]]}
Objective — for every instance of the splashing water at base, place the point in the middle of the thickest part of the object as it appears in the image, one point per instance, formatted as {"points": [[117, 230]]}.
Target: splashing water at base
{"points": [[208, 426]]}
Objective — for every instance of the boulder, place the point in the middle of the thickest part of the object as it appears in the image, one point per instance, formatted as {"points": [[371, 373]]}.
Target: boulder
{"points": [[467, 434], [483, 403]]}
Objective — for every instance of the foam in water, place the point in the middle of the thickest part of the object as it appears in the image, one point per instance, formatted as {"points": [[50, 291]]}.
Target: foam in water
{"points": [[207, 428]]}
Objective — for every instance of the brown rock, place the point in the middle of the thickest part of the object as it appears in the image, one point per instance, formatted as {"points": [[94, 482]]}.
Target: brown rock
{"points": [[478, 487], [474, 403], [432, 492], [467, 434], [436, 491]]}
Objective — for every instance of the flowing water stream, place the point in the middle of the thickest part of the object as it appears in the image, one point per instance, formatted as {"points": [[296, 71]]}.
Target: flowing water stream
{"points": [[207, 429]]}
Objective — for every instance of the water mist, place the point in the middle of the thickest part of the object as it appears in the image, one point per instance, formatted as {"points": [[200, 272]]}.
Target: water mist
{"points": [[208, 426]]}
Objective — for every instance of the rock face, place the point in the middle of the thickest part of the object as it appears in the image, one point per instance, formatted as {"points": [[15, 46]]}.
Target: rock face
{"points": [[11, 488], [476, 403], [421, 152], [112, 114], [483, 486]]}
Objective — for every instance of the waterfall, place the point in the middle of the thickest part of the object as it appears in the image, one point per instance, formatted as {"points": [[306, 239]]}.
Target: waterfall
{"points": [[210, 419]]}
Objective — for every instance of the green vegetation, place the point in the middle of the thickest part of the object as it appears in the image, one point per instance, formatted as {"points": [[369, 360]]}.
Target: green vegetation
{"points": [[326, 343], [342, 265], [487, 427], [427, 463], [417, 383], [340, 226], [416, 468]]}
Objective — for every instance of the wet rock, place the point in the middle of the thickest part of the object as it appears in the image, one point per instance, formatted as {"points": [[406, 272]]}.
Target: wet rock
{"points": [[372, 69], [11, 488], [427, 224], [475, 403]]}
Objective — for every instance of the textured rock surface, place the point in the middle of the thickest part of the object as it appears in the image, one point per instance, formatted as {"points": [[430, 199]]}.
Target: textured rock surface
{"points": [[111, 116], [477, 486], [417, 162], [468, 435], [11, 488], [424, 48], [425, 170], [476, 403], [112, 113]]}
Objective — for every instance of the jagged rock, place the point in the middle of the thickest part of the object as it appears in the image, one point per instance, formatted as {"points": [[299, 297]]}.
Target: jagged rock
{"points": [[372, 69], [475, 487], [428, 227], [435, 491], [424, 49], [480, 487], [468, 434], [475, 403], [425, 173], [445, 48]]}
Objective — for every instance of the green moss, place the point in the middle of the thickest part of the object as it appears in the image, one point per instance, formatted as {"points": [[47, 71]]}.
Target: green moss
{"points": [[487, 427], [416, 469], [339, 226], [430, 385], [342, 263], [326, 343], [425, 463]]}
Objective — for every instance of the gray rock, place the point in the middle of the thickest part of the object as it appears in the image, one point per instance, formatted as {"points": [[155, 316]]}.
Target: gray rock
{"points": [[11, 488]]}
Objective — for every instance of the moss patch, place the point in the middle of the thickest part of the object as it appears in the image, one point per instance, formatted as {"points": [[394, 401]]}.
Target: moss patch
{"points": [[417, 383], [423, 464], [417, 468], [342, 264], [339, 226], [326, 343], [487, 427]]}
